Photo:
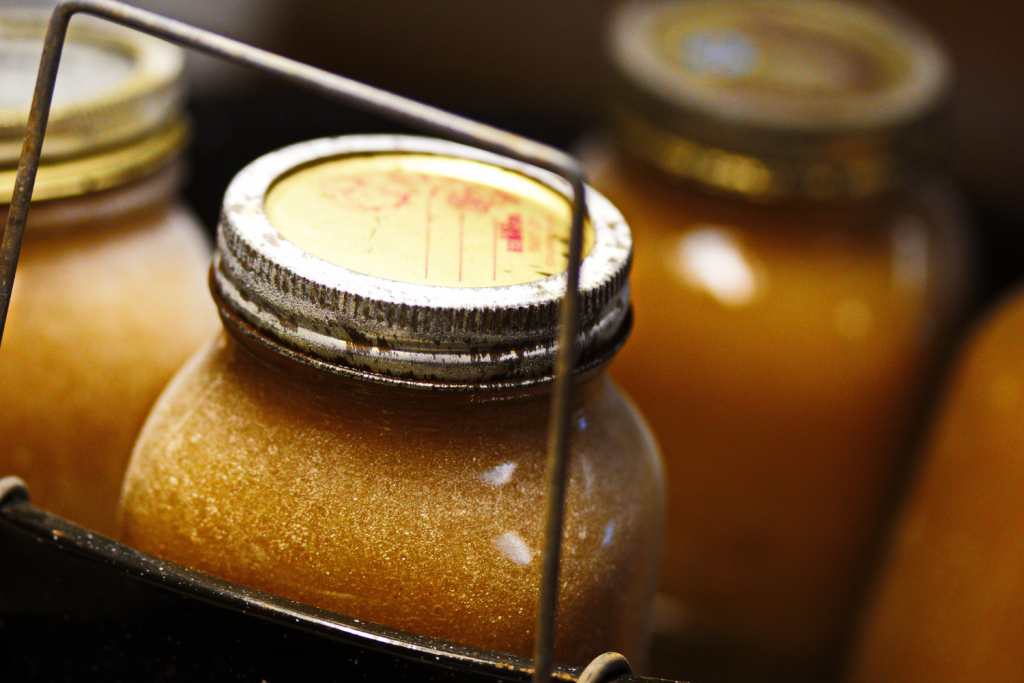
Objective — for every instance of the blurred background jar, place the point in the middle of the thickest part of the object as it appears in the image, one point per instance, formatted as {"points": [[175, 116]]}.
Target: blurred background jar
{"points": [[368, 434], [109, 296], [949, 603], [800, 267]]}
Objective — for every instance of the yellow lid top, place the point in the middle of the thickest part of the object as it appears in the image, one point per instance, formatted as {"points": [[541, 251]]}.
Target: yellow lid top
{"points": [[116, 88], [425, 219]]}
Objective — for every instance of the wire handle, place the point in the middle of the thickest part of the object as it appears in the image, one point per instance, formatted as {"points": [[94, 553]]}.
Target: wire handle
{"points": [[405, 111]]}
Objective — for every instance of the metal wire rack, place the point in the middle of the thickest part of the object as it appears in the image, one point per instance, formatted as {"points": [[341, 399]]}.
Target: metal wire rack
{"points": [[203, 589]]}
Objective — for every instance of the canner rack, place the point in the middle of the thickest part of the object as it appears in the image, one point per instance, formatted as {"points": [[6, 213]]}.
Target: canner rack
{"points": [[77, 606]]}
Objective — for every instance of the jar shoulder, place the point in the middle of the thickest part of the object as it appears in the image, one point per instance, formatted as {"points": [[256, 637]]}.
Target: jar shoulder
{"points": [[844, 284], [668, 205], [227, 410], [892, 241]]}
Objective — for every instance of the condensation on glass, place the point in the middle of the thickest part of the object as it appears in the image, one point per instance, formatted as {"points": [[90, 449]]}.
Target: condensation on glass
{"points": [[109, 296], [799, 266], [368, 433]]}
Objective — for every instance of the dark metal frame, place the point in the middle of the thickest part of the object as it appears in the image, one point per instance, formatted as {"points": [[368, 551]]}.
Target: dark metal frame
{"points": [[80, 607], [399, 109]]}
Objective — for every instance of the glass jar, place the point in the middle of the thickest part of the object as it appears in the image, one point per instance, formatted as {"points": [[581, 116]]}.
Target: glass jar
{"points": [[799, 266], [949, 604], [109, 295], [368, 434]]}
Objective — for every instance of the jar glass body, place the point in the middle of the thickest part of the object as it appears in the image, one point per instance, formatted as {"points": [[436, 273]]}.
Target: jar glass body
{"points": [[949, 603], [417, 510], [781, 354], [109, 300]]}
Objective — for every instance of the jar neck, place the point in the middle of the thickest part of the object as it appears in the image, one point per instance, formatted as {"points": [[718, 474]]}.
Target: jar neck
{"points": [[100, 210], [278, 352], [770, 166], [693, 204], [380, 391]]}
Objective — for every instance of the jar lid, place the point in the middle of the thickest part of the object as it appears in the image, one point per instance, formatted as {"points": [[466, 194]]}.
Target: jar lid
{"points": [[812, 98], [415, 260], [117, 110]]}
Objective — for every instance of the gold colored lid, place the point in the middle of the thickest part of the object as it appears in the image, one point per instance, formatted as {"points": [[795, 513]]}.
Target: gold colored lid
{"points": [[425, 219], [817, 99], [117, 108], [418, 260]]}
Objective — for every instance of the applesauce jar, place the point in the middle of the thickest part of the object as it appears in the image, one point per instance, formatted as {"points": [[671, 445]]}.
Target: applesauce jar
{"points": [[368, 434], [949, 603], [109, 294], [799, 266]]}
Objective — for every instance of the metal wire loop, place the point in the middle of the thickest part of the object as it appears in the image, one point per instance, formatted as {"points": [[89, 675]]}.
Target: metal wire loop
{"points": [[382, 103], [12, 489], [605, 668]]}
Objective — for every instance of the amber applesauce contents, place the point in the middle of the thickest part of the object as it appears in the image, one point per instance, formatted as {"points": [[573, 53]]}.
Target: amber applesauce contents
{"points": [[802, 337], [418, 513], [404, 492], [89, 344], [109, 294], [949, 604], [798, 269]]}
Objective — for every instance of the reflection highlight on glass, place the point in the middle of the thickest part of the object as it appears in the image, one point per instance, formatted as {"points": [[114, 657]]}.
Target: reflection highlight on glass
{"points": [[609, 534], [711, 260], [500, 474], [910, 254], [512, 546]]}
